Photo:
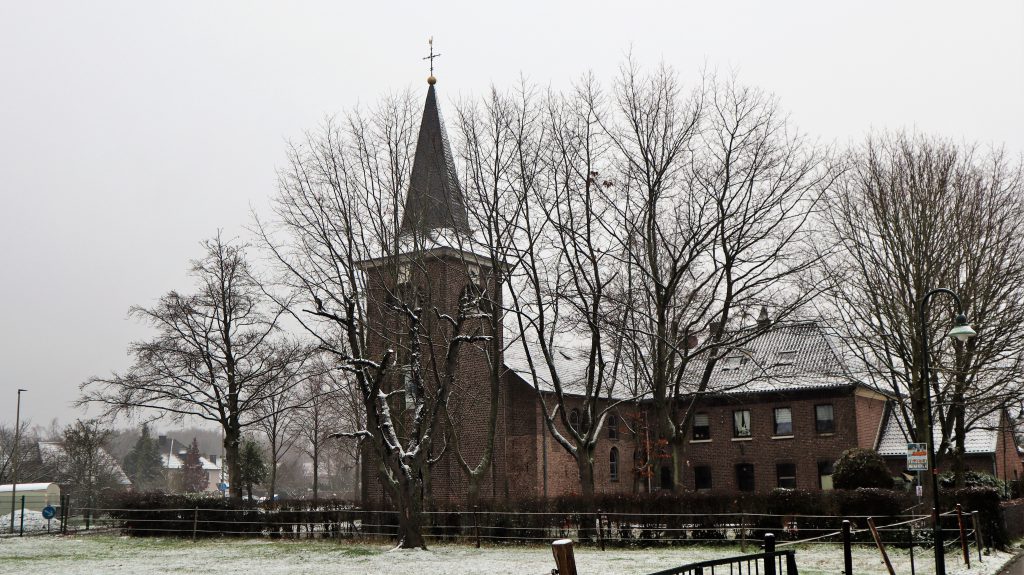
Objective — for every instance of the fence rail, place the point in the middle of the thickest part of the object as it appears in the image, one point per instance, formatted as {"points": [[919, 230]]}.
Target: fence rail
{"points": [[603, 529]]}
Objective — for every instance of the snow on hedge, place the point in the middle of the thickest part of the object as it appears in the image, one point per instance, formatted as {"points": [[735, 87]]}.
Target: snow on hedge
{"points": [[114, 555]]}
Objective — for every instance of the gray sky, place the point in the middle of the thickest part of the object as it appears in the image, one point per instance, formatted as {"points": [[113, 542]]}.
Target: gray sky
{"points": [[130, 131]]}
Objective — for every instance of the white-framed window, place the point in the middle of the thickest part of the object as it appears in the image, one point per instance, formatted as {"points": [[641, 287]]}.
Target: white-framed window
{"points": [[824, 418], [701, 426], [783, 421], [741, 423]]}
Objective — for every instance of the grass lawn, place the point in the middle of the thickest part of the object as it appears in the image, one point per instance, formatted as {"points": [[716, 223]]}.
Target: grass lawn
{"points": [[110, 554]]}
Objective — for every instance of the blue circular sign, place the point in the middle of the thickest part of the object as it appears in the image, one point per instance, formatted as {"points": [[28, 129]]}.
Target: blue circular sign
{"points": [[222, 486], [49, 512]]}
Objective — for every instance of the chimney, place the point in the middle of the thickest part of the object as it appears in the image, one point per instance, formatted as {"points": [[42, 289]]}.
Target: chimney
{"points": [[161, 441], [763, 320], [213, 459], [691, 341]]}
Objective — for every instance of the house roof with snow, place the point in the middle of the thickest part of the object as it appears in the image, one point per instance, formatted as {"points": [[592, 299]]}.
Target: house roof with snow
{"points": [[53, 453], [981, 438], [788, 357], [172, 455], [570, 365]]}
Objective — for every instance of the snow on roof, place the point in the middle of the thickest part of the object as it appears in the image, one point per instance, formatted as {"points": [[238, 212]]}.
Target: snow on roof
{"points": [[53, 452], [172, 456], [980, 438], [570, 364], [789, 357], [28, 487]]}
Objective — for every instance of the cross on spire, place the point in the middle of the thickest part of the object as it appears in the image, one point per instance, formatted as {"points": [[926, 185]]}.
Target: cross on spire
{"points": [[432, 55]]}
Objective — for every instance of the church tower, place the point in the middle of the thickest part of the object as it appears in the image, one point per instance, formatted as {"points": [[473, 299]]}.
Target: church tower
{"points": [[437, 266]]}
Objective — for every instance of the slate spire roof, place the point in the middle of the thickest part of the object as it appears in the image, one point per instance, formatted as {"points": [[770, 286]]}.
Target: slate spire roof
{"points": [[434, 200]]}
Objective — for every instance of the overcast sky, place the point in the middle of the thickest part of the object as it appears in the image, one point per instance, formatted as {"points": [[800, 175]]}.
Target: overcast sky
{"points": [[131, 131]]}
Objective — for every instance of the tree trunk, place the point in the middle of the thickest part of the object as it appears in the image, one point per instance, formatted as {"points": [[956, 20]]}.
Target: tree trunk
{"points": [[585, 463], [273, 470], [232, 441], [357, 477], [316, 471], [410, 516]]}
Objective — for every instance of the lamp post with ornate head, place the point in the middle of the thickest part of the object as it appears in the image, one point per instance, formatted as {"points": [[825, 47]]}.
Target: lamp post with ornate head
{"points": [[961, 331]]}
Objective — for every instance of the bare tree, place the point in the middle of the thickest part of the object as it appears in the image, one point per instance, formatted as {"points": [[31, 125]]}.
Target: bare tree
{"points": [[567, 260], [29, 466], [723, 187], [217, 354], [916, 213], [499, 158], [337, 239]]}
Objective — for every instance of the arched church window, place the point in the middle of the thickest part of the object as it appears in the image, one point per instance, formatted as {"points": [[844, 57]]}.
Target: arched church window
{"points": [[613, 464], [474, 299], [613, 426], [574, 420]]}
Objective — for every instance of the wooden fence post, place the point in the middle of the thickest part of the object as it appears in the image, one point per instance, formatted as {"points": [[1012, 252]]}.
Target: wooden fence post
{"points": [[600, 529], [963, 535], [743, 532], [769, 550], [195, 522], [881, 546], [565, 562], [976, 524], [847, 552]]}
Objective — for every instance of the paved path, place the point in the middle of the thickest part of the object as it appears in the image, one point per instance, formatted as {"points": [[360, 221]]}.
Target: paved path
{"points": [[1016, 567]]}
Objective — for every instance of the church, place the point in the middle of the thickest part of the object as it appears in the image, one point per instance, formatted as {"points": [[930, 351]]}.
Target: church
{"points": [[749, 434]]}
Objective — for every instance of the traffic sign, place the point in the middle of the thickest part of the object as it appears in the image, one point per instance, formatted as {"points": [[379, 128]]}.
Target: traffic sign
{"points": [[49, 512], [917, 457], [222, 486]]}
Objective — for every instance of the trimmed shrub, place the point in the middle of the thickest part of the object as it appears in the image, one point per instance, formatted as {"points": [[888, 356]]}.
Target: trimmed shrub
{"points": [[986, 501], [860, 467]]}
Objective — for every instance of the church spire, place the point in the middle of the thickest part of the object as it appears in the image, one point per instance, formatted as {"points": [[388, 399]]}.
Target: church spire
{"points": [[434, 200]]}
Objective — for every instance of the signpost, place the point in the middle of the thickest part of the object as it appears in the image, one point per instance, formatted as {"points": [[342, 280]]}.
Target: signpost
{"points": [[917, 457], [48, 513], [917, 460]]}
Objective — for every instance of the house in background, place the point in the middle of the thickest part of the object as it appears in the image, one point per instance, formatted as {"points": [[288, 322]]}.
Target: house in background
{"points": [[62, 469], [990, 446], [172, 457]]}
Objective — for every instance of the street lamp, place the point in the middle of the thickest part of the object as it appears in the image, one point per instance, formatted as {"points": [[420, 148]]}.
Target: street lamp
{"points": [[14, 463], [961, 331]]}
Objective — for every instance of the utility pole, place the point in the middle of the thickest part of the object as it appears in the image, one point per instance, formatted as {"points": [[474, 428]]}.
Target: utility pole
{"points": [[14, 466]]}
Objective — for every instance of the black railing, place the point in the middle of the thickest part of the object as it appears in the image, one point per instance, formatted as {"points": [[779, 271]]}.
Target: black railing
{"points": [[770, 562]]}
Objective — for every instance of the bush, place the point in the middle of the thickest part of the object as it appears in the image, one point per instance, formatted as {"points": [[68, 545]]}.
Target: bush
{"points": [[974, 479], [860, 467], [986, 501]]}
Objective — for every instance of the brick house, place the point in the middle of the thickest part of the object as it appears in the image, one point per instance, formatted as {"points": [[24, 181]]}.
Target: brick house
{"points": [[778, 412], [989, 446]]}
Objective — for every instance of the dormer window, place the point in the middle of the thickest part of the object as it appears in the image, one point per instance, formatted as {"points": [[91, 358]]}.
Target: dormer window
{"points": [[734, 362], [787, 357]]}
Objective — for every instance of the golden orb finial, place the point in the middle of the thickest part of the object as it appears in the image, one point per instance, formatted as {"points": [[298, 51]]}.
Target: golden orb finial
{"points": [[431, 80]]}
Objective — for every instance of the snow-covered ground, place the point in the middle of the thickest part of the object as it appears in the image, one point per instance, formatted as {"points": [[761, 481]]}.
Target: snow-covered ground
{"points": [[89, 554], [33, 521]]}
